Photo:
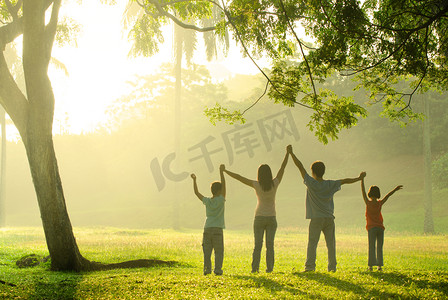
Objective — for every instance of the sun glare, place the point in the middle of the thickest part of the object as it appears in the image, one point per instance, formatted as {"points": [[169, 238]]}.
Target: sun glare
{"points": [[99, 69]]}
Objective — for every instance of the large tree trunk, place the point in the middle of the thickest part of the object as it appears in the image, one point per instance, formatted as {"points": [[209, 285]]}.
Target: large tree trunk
{"points": [[428, 226], [61, 242], [37, 137]]}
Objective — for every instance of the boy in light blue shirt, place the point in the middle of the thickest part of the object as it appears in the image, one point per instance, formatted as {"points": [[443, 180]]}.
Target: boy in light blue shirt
{"points": [[213, 238]]}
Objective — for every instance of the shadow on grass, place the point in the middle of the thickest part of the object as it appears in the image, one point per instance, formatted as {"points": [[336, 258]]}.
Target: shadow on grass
{"points": [[56, 287], [326, 279], [396, 278], [272, 285], [134, 264], [64, 285]]}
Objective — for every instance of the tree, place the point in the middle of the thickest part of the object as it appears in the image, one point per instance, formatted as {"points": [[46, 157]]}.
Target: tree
{"points": [[378, 43], [32, 114]]}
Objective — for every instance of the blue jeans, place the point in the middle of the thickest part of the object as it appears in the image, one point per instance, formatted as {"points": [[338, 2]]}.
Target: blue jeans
{"points": [[213, 239], [376, 241], [261, 225], [318, 225]]}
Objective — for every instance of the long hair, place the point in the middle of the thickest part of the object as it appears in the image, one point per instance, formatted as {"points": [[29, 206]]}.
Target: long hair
{"points": [[265, 177]]}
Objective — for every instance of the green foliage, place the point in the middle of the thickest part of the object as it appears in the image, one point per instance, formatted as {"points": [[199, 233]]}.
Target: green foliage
{"points": [[146, 36], [383, 43], [333, 113], [146, 33], [4, 12], [192, 10], [440, 171], [415, 268], [219, 113], [67, 32]]}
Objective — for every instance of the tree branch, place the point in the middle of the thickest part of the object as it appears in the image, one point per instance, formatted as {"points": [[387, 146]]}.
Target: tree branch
{"points": [[10, 32], [310, 74], [12, 98], [163, 12], [253, 60], [12, 10], [259, 98], [426, 24], [50, 30]]}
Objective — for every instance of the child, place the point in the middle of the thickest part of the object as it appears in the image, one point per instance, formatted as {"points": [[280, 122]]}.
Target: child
{"points": [[320, 209], [375, 227], [265, 222], [213, 239]]}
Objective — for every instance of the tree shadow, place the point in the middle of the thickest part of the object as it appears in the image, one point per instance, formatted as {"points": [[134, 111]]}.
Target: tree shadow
{"points": [[133, 264], [56, 287], [64, 285], [345, 286], [400, 279], [271, 285]]}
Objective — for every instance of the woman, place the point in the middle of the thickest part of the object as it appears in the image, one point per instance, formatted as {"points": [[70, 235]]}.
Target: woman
{"points": [[265, 216]]}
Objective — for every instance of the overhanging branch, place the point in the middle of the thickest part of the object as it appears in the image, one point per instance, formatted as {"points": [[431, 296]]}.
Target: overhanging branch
{"points": [[163, 12], [310, 74], [255, 63]]}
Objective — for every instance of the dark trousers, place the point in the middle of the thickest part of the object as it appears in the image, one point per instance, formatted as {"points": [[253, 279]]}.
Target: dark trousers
{"points": [[376, 241], [264, 225], [318, 225], [213, 239]]}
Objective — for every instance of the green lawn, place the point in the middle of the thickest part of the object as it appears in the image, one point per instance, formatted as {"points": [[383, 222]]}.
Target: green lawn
{"points": [[416, 267]]}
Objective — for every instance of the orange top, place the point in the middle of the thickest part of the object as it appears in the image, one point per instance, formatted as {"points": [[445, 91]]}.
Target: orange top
{"points": [[373, 214]]}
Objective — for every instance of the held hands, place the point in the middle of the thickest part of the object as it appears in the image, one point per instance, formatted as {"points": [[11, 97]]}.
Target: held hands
{"points": [[362, 175], [289, 149], [222, 168]]}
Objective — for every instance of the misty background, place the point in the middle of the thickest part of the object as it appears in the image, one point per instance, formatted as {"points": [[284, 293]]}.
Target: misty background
{"points": [[114, 173], [108, 178]]}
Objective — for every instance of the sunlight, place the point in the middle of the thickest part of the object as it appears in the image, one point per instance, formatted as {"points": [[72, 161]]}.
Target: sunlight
{"points": [[98, 68]]}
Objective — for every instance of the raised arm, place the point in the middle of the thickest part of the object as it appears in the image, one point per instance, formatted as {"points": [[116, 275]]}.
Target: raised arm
{"points": [[363, 190], [399, 187], [281, 171], [296, 161], [239, 178], [195, 187], [222, 168], [353, 180]]}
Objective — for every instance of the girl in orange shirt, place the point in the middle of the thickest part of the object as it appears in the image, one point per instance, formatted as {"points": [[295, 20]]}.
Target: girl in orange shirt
{"points": [[375, 227]]}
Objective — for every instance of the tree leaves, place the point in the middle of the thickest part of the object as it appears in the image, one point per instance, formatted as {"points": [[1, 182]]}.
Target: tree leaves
{"points": [[146, 34], [394, 49]]}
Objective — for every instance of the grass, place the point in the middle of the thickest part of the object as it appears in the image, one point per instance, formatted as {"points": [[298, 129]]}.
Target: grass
{"points": [[416, 267]]}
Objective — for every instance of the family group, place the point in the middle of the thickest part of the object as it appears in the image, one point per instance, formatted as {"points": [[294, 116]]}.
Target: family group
{"points": [[319, 209]]}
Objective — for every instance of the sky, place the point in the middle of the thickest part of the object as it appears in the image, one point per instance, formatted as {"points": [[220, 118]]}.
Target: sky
{"points": [[99, 67]]}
